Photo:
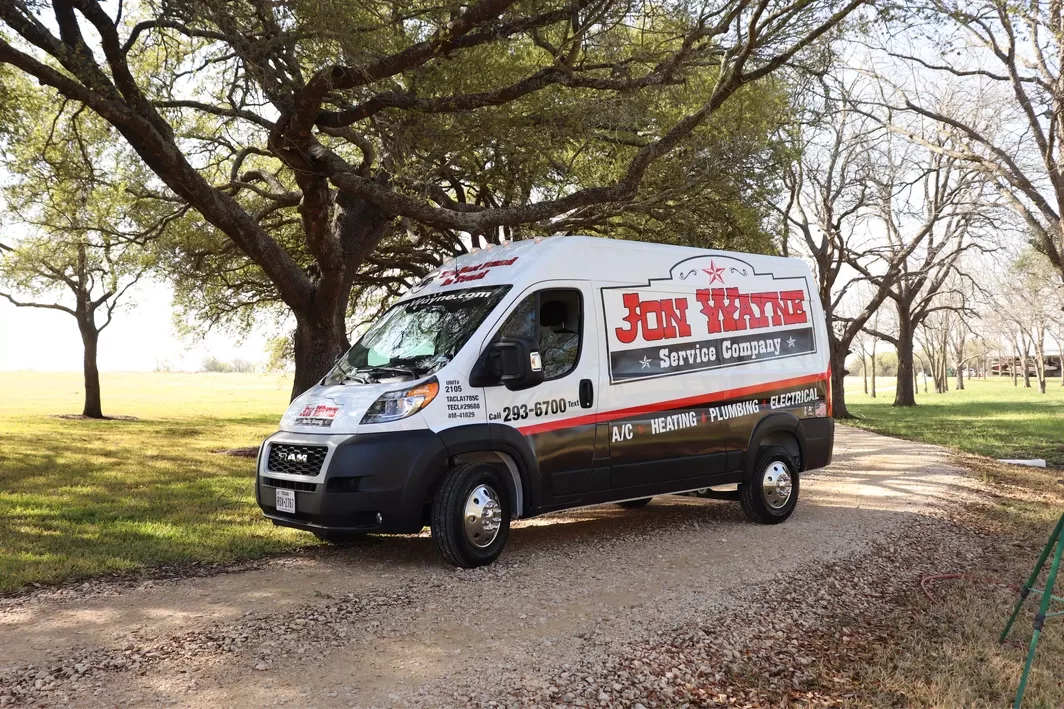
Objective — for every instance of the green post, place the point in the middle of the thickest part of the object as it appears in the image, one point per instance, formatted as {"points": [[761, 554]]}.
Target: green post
{"points": [[1043, 607], [1026, 590]]}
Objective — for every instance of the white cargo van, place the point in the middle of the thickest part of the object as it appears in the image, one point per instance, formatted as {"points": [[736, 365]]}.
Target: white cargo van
{"points": [[556, 373]]}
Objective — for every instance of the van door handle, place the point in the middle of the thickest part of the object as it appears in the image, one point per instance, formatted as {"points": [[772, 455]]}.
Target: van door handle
{"points": [[587, 394]]}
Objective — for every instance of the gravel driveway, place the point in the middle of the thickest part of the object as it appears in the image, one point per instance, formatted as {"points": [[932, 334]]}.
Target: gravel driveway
{"points": [[679, 602]]}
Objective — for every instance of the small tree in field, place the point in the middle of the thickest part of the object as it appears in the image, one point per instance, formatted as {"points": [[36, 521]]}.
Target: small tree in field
{"points": [[1031, 281], [85, 228], [934, 208], [79, 277]]}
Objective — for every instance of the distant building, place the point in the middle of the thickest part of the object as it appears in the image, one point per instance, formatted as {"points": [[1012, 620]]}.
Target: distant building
{"points": [[1005, 365]]}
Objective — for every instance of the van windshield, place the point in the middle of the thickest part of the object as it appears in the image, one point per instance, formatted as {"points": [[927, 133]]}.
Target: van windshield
{"points": [[418, 336]]}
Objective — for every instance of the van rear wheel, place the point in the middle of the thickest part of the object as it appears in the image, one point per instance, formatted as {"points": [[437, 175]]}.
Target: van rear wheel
{"points": [[770, 492], [471, 515], [632, 504]]}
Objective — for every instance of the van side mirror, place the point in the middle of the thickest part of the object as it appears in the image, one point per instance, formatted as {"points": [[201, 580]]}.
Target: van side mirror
{"points": [[514, 362]]}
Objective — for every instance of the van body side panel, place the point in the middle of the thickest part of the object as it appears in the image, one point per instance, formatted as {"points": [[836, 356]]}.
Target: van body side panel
{"points": [[668, 445], [709, 421], [715, 344], [566, 455]]}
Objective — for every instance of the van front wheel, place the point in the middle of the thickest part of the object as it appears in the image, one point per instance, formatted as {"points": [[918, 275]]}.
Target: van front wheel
{"points": [[770, 492], [471, 515]]}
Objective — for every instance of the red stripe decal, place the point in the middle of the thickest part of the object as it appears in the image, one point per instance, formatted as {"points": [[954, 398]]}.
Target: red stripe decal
{"points": [[605, 417]]}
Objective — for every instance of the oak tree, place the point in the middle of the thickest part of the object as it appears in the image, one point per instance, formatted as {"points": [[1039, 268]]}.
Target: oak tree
{"points": [[80, 276], [366, 118]]}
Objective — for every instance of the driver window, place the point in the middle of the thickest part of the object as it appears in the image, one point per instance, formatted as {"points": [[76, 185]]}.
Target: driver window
{"points": [[553, 319]]}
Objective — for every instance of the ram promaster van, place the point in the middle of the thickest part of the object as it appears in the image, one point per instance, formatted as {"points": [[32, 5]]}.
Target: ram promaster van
{"points": [[556, 373]]}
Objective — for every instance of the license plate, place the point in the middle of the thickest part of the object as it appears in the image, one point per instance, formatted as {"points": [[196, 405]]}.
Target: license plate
{"points": [[286, 501]]}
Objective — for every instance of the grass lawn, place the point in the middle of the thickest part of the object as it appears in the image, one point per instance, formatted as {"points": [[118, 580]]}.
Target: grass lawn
{"points": [[82, 498], [989, 417], [945, 652]]}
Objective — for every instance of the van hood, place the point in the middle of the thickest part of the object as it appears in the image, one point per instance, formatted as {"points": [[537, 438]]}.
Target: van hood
{"points": [[336, 408]]}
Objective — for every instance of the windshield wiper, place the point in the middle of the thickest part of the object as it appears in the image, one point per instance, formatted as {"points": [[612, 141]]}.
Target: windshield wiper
{"points": [[389, 368]]}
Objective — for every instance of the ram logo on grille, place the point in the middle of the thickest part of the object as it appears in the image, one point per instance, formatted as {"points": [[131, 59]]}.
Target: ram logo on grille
{"points": [[295, 459]]}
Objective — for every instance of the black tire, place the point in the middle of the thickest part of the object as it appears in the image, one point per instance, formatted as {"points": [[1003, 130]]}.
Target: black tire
{"points": [[751, 493], [339, 538], [448, 515], [632, 504]]}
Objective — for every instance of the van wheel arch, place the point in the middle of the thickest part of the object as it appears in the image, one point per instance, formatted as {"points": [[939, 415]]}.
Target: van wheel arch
{"points": [[508, 470], [494, 444], [780, 429]]}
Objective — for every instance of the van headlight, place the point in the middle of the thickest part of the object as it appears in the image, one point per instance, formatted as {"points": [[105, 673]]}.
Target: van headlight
{"points": [[395, 405]]}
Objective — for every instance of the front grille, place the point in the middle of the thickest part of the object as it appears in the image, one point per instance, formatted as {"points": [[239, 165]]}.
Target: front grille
{"points": [[298, 485], [296, 460]]}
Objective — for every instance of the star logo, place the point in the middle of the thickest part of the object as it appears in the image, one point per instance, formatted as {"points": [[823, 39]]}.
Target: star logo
{"points": [[715, 274], [645, 362], [790, 342]]}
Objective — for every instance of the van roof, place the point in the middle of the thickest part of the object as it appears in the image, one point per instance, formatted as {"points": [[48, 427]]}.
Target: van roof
{"points": [[574, 258]]}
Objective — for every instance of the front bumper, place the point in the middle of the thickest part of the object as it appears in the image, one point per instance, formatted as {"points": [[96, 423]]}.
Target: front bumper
{"points": [[377, 482]]}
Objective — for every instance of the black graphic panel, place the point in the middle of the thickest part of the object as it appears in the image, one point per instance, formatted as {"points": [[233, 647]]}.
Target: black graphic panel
{"points": [[714, 353]]}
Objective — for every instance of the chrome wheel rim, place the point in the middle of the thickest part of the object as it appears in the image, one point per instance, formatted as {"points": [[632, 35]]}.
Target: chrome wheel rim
{"points": [[776, 485], [483, 516]]}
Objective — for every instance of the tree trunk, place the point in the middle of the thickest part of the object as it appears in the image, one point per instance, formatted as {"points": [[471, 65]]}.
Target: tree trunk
{"points": [[1013, 365], [89, 340], [838, 384], [1040, 362], [960, 377], [873, 370], [319, 340], [864, 371], [321, 329], [1024, 364], [905, 394]]}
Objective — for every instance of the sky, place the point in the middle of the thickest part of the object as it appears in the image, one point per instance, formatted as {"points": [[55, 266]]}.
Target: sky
{"points": [[142, 337]]}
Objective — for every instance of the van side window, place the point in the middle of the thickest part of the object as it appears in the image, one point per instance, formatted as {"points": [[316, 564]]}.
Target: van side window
{"points": [[554, 319], [522, 321]]}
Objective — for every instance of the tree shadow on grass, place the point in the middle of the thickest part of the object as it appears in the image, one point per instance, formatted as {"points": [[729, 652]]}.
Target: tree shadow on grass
{"points": [[998, 430]]}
